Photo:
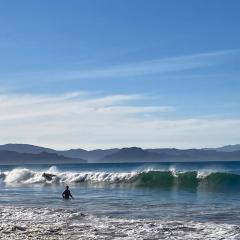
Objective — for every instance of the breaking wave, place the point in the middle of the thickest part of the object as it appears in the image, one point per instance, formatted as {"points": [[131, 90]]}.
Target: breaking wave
{"points": [[146, 178]]}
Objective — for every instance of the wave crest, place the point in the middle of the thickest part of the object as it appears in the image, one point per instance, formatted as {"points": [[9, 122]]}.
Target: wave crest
{"points": [[147, 178]]}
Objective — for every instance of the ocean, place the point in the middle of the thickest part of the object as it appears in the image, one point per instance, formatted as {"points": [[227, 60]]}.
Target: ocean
{"points": [[121, 201]]}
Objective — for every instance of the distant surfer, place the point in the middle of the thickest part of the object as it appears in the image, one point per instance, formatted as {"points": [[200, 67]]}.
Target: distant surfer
{"points": [[66, 194], [48, 176]]}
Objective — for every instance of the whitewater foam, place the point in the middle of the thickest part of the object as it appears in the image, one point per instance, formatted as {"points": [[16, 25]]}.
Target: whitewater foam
{"points": [[18, 175], [45, 223], [27, 176]]}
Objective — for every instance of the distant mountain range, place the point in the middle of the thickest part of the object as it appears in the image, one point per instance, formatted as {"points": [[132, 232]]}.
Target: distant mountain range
{"points": [[26, 153], [228, 148], [30, 154], [168, 154], [93, 155]]}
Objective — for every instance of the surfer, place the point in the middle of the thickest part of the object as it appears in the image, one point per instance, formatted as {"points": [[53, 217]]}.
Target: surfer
{"points": [[48, 176], [66, 194]]}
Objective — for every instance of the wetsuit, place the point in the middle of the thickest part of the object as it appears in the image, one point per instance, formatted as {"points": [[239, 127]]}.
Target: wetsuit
{"points": [[66, 194]]}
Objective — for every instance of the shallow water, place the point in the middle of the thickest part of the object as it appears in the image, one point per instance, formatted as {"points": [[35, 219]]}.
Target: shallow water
{"points": [[171, 200]]}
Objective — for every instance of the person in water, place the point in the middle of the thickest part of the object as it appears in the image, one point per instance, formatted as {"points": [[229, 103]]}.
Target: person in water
{"points": [[66, 194]]}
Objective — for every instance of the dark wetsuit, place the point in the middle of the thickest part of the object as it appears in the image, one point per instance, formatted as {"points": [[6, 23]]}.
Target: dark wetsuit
{"points": [[66, 194]]}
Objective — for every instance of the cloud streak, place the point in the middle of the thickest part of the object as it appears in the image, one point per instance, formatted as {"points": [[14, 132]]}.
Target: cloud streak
{"points": [[158, 66], [89, 121], [132, 69]]}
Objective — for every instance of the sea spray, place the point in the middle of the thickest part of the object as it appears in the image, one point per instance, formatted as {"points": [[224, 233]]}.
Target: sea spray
{"points": [[18, 175]]}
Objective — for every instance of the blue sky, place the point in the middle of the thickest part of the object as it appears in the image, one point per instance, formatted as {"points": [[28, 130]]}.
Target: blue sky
{"points": [[100, 74]]}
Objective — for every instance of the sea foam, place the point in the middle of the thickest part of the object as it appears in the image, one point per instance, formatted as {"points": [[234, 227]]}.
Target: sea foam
{"points": [[55, 224]]}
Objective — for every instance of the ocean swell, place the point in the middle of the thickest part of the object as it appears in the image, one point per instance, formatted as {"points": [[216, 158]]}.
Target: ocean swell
{"points": [[147, 178]]}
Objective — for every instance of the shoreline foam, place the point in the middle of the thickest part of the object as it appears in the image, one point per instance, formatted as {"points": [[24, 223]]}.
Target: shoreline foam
{"points": [[53, 224]]}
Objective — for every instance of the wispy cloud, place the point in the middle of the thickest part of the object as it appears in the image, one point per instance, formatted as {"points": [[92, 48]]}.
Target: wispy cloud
{"points": [[85, 120], [25, 106], [131, 69], [157, 66]]}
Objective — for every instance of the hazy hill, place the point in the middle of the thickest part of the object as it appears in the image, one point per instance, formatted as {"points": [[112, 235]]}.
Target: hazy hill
{"points": [[11, 157], [25, 148], [159, 155], [132, 154], [91, 156], [228, 148]]}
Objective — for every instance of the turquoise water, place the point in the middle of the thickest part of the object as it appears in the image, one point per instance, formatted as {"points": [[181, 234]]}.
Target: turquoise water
{"points": [[201, 192]]}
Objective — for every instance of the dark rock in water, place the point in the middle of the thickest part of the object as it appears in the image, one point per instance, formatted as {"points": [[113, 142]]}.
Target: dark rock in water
{"points": [[48, 176]]}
